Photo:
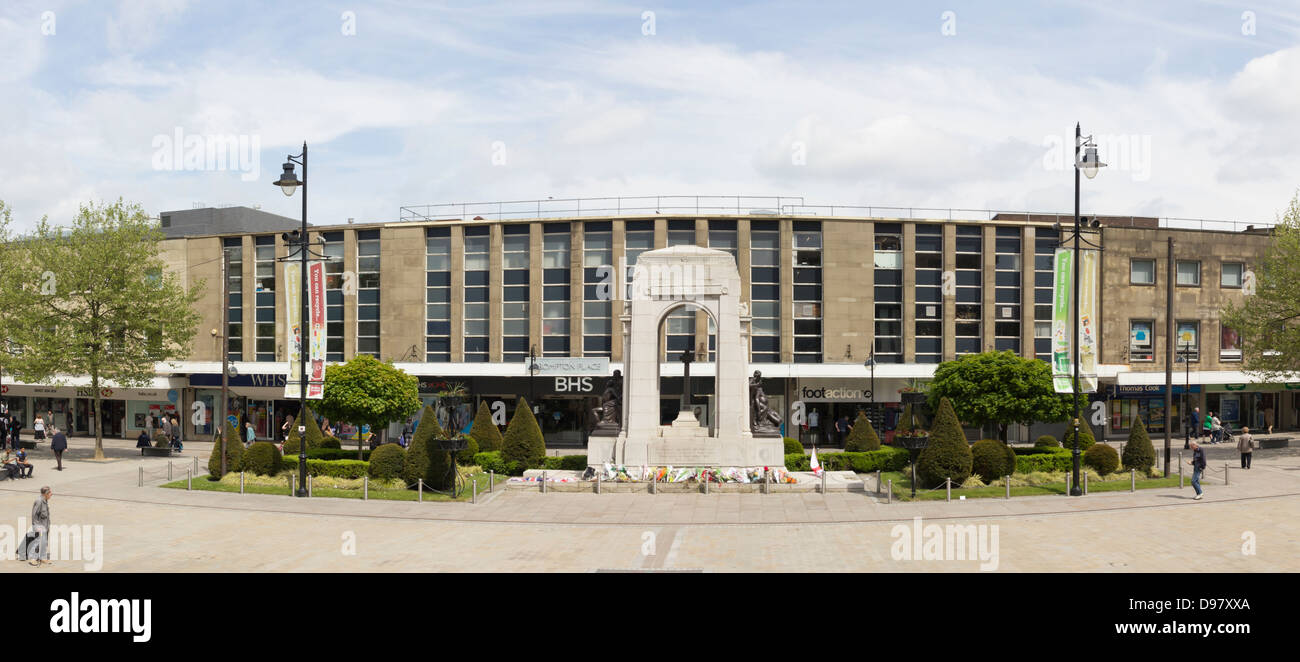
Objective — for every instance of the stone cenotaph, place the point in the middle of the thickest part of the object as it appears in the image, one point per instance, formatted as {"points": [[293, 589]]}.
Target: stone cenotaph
{"points": [[629, 433]]}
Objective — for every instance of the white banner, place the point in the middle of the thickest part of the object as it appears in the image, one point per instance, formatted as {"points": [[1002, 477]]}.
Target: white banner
{"points": [[293, 328]]}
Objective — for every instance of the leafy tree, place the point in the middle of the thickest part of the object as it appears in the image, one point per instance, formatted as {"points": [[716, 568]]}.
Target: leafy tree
{"points": [[1138, 452], [948, 454], [12, 270], [1000, 388], [96, 298], [367, 391], [484, 431], [523, 442], [1268, 322], [862, 437]]}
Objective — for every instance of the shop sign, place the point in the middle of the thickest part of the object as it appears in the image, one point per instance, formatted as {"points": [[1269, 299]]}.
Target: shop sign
{"points": [[573, 385], [569, 367], [1148, 389], [1292, 386]]}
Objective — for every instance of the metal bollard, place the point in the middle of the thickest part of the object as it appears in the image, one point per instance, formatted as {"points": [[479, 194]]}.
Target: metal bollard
{"points": [[491, 477], [141, 477], [654, 483], [877, 481], [196, 463], [169, 470], [597, 483], [420, 486], [706, 482], [474, 497], [309, 486], [1132, 480], [890, 493], [947, 483], [293, 480], [365, 487], [241, 482], [1007, 480], [1225, 473], [1180, 471], [189, 479], [1085, 483], [543, 482], [1068, 479], [823, 482]]}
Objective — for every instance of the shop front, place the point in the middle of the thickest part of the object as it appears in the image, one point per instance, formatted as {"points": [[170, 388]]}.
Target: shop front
{"points": [[563, 406], [253, 398], [1257, 406], [1147, 402], [818, 403]]}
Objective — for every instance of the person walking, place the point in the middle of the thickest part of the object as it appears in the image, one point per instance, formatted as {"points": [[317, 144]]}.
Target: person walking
{"points": [[38, 429], [1198, 468], [59, 444], [1194, 428], [167, 428], [39, 551], [1207, 425], [249, 435], [177, 430], [1216, 429], [1246, 446]]}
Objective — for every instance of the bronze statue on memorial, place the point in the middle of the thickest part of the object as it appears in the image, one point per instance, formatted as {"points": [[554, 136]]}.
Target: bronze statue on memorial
{"points": [[763, 419], [610, 412]]}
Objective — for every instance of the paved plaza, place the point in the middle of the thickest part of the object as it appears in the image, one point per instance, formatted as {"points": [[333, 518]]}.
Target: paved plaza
{"points": [[149, 529]]}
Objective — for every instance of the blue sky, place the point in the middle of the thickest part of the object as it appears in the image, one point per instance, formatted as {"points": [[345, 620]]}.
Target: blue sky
{"points": [[955, 104]]}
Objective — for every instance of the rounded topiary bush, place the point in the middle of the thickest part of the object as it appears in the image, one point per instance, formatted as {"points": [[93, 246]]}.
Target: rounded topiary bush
{"points": [[523, 442], [1047, 441], [990, 461], [386, 462], [465, 456], [1138, 452], [263, 459], [330, 442], [862, 437], [1086, 439], [948, 454], [1103, 458], [792, 446], [234, 453]]}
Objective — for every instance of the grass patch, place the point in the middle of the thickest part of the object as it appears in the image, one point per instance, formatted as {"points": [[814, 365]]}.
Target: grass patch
{"points": [[1112, 483], [321, 487]]}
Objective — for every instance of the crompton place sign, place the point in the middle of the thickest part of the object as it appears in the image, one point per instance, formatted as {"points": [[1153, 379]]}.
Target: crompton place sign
{"points": [[569, 367]]}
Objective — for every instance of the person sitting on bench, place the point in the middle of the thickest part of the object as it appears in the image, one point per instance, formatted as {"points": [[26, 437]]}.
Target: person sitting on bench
{"points": [[10, 465], [24, 467], [142, 441]]}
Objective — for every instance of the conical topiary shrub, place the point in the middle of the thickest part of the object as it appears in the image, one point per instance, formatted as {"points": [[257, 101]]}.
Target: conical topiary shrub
{"points": [[523, 442], [948, 455], [424, 460], [862, 437], [314, 435], [484, 431], [234, 451], [1138, 452], [1086, 439], [904, 421]]}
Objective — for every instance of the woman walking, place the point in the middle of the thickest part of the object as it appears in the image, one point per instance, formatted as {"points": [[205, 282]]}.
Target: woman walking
{"points": [[1246, 445], [38, 429], [1208, 425], [1198, 469]]}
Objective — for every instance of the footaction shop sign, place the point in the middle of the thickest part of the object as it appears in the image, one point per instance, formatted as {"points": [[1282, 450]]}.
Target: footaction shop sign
{"points": [[825, 394]]}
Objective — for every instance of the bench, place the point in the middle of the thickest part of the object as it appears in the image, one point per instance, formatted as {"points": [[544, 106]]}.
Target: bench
{"points": [[153, 451], [1275, 443]]}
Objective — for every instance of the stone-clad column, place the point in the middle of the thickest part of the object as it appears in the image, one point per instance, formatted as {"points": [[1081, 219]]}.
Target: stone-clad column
{"points": [[575, 288], [535, 286], [1027, 243], [495, 243], [619, 250], [949, 277], [457, 293], [909, 293], [787, 291], [988, 273]]}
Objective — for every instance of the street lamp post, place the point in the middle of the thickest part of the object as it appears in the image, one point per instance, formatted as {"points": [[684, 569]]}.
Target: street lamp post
{"points": [[289, 183], [1186, 359], [532, 376], [1089, 165], [871, 363]]}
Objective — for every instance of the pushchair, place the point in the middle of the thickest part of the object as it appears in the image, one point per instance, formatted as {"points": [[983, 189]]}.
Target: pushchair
{"points": [[1225, 437]]}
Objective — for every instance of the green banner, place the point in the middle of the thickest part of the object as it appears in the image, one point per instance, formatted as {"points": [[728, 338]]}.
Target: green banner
{"points": [[1062, 368]]}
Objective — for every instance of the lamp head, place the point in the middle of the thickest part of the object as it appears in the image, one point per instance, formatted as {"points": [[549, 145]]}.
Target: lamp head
{"points": [[288, 181], [1090, 161]]}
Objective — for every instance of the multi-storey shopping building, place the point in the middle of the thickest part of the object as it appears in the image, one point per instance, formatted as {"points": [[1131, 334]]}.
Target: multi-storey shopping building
{"points": [[469, 295]]}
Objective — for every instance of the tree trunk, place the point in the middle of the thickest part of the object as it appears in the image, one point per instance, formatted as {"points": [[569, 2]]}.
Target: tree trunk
{"points": [[1002, 432], [99, 418]]}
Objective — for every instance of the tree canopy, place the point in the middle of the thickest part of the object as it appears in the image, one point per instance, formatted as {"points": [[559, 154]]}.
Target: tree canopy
{"points": [[1268, 322], [1000, 388], [367, 391], [96, 298]]}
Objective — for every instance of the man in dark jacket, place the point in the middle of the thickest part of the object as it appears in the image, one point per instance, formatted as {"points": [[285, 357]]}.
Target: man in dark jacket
{"points": [[1198, 468], [59, 444]]}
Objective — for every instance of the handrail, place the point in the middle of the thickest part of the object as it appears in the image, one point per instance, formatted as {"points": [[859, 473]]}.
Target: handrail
{"points": [[764, 206]]}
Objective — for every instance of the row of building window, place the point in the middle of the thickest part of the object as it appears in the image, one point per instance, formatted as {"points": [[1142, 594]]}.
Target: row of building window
{"points": [[1187, 273], [1187, 341]]}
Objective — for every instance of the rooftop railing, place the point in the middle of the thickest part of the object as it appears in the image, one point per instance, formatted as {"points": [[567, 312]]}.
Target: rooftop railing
{"points": [[760, 206]]}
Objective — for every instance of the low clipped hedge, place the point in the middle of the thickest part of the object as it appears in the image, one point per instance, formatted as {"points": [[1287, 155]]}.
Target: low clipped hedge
{"points": [[792, 446], [492, 461], [336, 453], [563, 462], [1045, 459], [338, 468], [1103, 458], [386, 462], [887, 458]]}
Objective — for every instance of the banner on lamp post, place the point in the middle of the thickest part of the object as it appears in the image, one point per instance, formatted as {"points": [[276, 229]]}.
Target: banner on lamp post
{"points": [[293, 327], [1062, 367], [1088, 321], [316, 302]]}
